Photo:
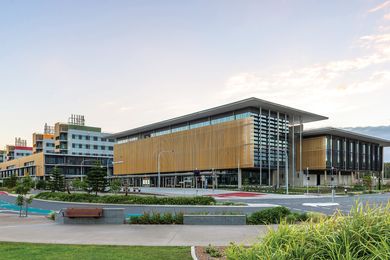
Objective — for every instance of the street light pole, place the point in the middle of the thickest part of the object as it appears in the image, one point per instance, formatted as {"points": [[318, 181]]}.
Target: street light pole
{"points": [[158, 167], [332, 185], [307, 180]]}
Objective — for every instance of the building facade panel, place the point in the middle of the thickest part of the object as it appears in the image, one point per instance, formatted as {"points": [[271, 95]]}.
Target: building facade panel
{"points": [[227, 145]]}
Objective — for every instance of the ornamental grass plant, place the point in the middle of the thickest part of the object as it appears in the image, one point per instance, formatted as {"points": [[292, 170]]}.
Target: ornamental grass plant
{"points": [[364, 233]]}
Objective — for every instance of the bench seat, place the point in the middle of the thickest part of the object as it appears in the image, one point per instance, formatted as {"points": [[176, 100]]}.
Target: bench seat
{"points": [[83, 213]]}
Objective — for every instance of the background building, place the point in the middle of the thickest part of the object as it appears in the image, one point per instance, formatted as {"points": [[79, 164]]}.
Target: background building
{"points": [[74, 138], [251, 141], [20, 149], [342, 155], [44, 142], [72, 147], [3, 156]]}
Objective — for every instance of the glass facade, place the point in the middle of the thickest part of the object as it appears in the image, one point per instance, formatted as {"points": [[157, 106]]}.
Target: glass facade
{"points": [[350, 154]]}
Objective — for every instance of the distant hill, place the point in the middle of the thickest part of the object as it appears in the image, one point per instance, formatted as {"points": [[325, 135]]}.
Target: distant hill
{"points": [[377, 131]]}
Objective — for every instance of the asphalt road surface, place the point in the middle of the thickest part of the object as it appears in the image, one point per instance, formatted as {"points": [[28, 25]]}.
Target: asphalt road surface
{"points": [[344, 204]]}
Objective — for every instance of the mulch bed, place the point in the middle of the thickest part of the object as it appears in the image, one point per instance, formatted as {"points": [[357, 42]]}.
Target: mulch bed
{"points": [[202, 255]]}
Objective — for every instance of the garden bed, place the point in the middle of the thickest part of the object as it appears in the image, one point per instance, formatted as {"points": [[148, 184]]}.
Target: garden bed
{"points": [[122, 199]]}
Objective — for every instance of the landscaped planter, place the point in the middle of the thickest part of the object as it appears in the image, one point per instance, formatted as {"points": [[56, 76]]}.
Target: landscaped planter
{"points": [[214, 219]]}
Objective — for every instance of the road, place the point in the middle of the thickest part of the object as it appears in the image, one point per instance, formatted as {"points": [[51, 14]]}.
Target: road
{"points": [[297, 204], [345, 203]]}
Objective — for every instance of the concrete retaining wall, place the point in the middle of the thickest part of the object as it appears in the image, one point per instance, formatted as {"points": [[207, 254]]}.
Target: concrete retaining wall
{"points": [[214, 219], [110, 216]]}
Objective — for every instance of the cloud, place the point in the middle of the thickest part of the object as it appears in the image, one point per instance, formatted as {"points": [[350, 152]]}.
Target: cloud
{"points": [[125, 108], [386, 16], [329, 78], [381, 6]]}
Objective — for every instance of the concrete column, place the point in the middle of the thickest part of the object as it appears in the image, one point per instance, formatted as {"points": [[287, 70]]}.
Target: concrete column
{"points": [[340, 179], [325, 177], [239, 176]]}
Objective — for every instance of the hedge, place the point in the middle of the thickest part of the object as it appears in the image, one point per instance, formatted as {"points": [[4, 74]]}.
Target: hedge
{"points": [[157, 218], [121, 199]]}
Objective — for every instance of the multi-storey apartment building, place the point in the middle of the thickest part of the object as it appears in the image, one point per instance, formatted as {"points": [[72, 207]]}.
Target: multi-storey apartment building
{"points": [[340, 155], [44, 142], [3, 156], [72, 147], [20, 149], [251, 141], [74, 138]]}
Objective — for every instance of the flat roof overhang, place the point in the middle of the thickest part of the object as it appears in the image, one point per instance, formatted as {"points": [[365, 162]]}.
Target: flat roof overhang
{"points": [[347, 134], [306, 117]]}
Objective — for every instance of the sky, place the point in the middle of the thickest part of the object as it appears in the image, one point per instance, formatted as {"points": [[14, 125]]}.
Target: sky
{"points": [[127, 63]]}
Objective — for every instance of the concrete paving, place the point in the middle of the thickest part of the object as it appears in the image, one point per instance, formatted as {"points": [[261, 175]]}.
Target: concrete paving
{"points": [[41, 230]]}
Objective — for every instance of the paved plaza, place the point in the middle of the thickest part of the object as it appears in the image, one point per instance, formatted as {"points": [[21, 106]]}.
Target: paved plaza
{"points": [[38, 229]]}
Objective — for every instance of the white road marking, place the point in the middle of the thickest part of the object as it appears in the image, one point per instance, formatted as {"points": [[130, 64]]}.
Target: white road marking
{"points": [[262, 205], [318, 204]]}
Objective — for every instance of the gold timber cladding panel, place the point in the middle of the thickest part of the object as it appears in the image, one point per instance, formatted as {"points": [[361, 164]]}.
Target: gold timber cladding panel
{"points": [[37, 158], [313, 153], [221, 146]]}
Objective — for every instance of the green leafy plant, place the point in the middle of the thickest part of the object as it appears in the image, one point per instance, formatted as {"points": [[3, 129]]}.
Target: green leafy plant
{"points": [[121, 199], [115, 186], [20, 202], [268, 216], [362, 234], [41, 185], [96, 179], [57, 180], [213, 251]]}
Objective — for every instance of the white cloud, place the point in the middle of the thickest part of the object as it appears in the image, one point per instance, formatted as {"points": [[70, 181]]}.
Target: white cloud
{"points": [[341, 83], [381, 6]]}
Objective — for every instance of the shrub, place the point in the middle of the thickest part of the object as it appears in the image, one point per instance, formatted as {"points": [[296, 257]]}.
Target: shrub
{"points": [[179, 217], [145, 218], [41, 185], [315, 217], [268, 216], [131, 199], [157, 218], [363, 234], [213, 251], [167, 218], [52, 216]]}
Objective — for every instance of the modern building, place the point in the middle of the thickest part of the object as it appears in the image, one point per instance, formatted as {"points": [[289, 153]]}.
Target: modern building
{"points": [[344, 156], [74, 138], [72, 147], [40, 165], [251, 141], [44, 142], [20, 149], [3, 156]]}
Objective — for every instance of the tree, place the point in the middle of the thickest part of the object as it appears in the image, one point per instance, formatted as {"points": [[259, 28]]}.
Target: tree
{"points": [[57, 180], [367, 181], [41, 185], [28, 202], [22, 188], [79, 185], [20, 203], [115, 186], [96, 178], [11, 181]]}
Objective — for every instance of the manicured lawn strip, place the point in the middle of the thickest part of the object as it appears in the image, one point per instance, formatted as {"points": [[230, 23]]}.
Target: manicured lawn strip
{"points": [[122, 199], [9, 250]]}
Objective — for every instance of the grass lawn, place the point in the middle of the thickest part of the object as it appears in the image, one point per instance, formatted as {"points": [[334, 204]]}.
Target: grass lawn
{"points": [[53, 251]]}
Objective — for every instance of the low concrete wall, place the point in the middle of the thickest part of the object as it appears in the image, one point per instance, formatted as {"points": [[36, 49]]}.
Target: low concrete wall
{"points": [[214, 219], [110, 216]]}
